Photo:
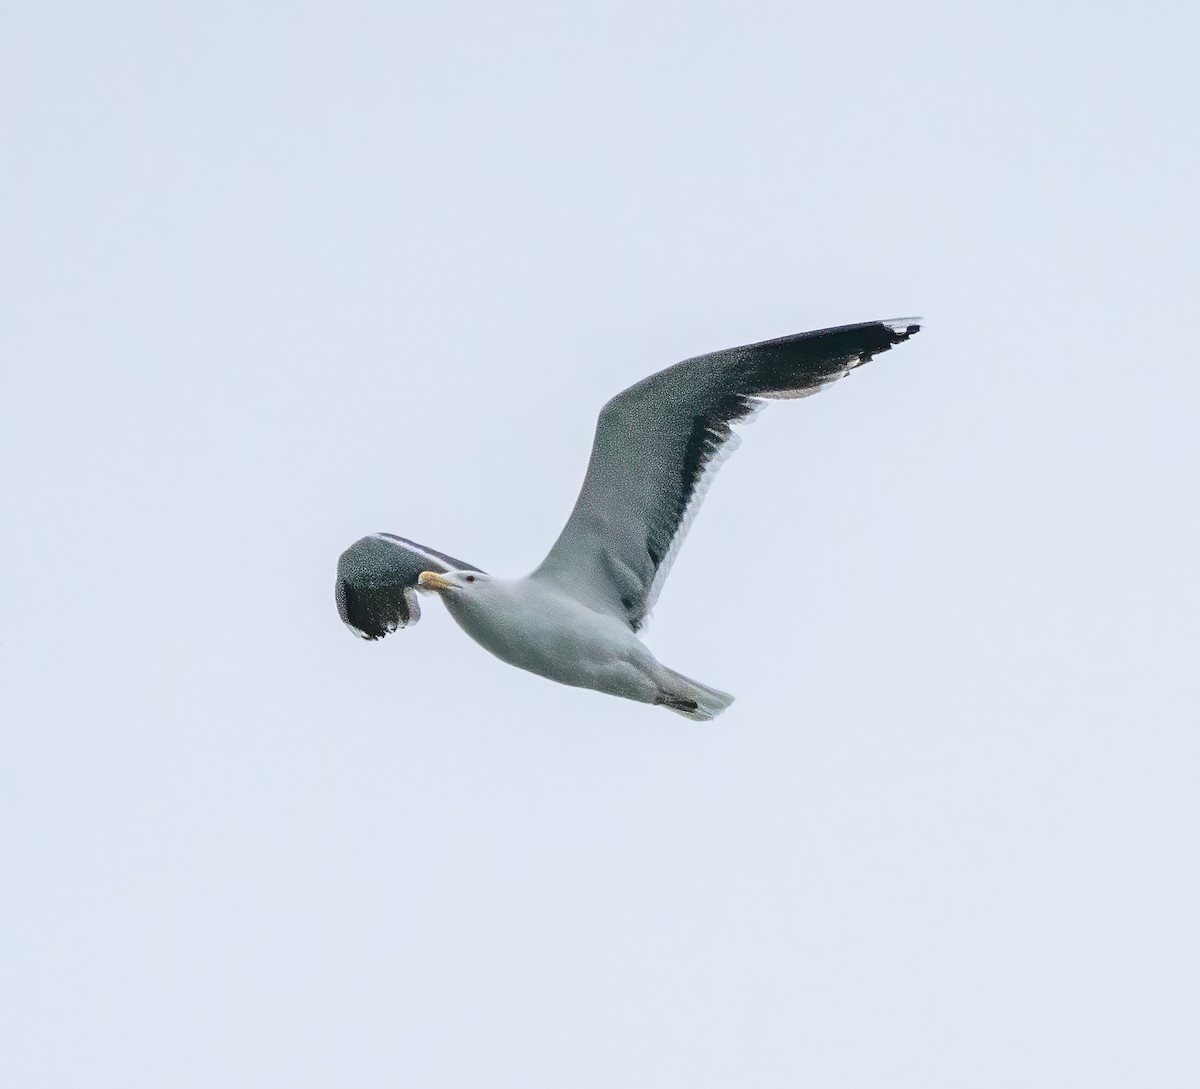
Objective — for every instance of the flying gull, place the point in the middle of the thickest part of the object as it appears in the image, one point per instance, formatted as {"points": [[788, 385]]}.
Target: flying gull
{"points": [[575, 619]]}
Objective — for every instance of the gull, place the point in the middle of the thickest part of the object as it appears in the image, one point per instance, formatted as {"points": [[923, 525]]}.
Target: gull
{"points": [[576, 618]]}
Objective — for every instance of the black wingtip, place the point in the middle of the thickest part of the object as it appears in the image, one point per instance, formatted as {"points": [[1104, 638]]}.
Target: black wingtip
{"points": [[372, 614], [903, 328]]}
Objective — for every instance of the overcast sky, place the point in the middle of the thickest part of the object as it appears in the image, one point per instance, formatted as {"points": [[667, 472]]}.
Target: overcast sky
{"points": [[279, 275]]}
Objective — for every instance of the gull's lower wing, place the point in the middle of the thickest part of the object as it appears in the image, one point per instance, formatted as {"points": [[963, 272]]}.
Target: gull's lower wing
{"points": [[658, 443], [376, 582]]}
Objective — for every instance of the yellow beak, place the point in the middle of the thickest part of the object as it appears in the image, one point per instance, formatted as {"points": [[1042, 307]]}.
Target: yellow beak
{"points": [[431, 580]]}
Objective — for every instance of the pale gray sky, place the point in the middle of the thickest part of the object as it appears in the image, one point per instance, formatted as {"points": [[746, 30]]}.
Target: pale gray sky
{"points": [[276, 276]]}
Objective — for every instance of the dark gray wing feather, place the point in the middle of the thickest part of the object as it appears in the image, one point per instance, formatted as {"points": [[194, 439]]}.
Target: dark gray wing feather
{"points": [[657, 444], [376, 582]]}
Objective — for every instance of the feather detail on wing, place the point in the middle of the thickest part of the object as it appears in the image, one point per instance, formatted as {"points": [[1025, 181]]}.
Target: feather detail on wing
{"points": [[658, 445], [376, 582]]}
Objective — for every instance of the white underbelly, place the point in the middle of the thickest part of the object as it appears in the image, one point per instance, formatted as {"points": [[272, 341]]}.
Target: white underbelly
{"points": [[565, 642]]}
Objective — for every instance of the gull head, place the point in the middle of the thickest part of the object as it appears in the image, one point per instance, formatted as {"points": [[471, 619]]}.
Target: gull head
{"points": [[449, 581]]}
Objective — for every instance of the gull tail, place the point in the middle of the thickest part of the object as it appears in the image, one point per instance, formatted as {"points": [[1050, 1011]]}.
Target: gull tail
{"points": [[689, 698]]}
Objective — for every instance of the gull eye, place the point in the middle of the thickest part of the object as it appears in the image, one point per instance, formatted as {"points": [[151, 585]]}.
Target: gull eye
{"points": [[470, 578]]}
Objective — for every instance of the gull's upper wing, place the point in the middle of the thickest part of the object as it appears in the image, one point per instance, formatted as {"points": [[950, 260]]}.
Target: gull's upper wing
{"points": [[657, 445], [376, 582]]}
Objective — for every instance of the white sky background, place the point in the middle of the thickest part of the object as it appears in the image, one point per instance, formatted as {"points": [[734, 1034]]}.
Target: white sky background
{"points": [[278, 276]]}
